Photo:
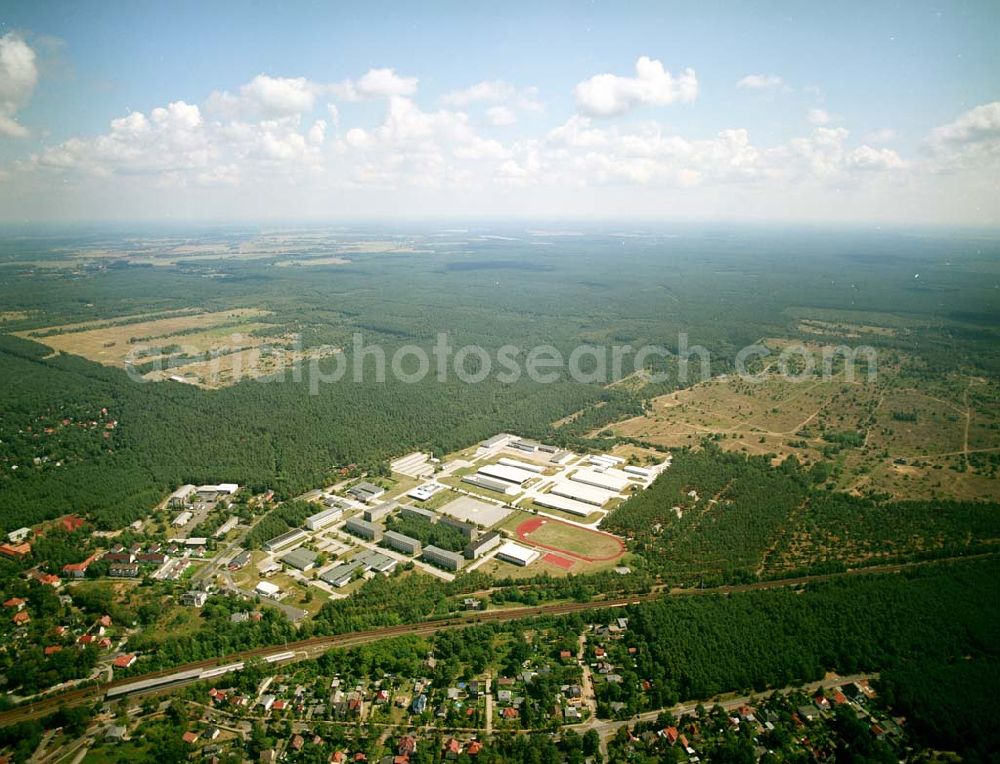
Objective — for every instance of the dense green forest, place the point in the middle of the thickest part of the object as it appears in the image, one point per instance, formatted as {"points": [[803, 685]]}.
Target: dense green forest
{"points": [[949, 704], [717, 515], [699, 646], [722, 287]]}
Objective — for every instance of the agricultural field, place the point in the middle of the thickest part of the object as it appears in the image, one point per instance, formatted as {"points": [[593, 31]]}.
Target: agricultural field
{"points": [[209, 349]]}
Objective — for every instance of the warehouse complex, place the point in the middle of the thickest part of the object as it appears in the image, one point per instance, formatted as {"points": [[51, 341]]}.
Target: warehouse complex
{"points": [[512, 501]]}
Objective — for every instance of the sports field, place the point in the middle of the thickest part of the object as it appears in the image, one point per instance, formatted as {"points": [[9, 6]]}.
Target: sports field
{"points": [[570, 540]]}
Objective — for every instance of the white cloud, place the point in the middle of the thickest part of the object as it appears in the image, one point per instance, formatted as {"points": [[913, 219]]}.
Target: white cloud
{"points": [[375, 83], [761, 82], [500, 116], [978, 125], [264, 141], [492, 91], [880, 136], [605, 95], [280, 96], [175, 145], [266, 96], [970, 143], [317, 133], [871, 159], [818, 117], [18, 77]]}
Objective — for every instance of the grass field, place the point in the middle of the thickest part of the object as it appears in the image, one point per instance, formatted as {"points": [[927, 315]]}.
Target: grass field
{"points": [[572, 540], [917, 438], [236, 342]]}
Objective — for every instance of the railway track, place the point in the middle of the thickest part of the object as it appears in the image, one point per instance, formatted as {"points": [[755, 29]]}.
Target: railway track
{"points": [[306, 649]]}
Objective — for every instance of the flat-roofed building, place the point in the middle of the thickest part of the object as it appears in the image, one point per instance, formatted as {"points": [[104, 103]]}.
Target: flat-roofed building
{"points": [[363, 528], [563, 457], [380, 511], [510, 474], [181, 496], [643, 472], [372, 560], [418, 513], [267, 589], [508, 462], [491, 484], [476, 549], [572, 506], [183, 518], [425, 491], [300, 559], [339, 575], [497, 441], [402, 543], [366, 492], [322, 519], [582, 492], [517, 554], [443, 558], [600, 479], [416, 464], [528, 446], [16, 537], [287, 538], [227, 526], [600, 462], [470, 531]]}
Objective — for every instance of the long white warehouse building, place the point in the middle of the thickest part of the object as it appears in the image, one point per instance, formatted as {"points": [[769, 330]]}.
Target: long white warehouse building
{"points": [[572, 506], [583, 492], [600, 479], [508, 462], [510, 474], [491, 484]]}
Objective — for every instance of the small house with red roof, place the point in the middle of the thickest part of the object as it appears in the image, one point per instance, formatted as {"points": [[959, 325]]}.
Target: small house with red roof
{"points": [[15, 551], [78, 569], [407, 745], [71, 523]]}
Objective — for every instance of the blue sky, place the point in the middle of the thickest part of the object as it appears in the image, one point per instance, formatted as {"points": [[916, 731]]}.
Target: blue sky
{"points": [[857, 110]]}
